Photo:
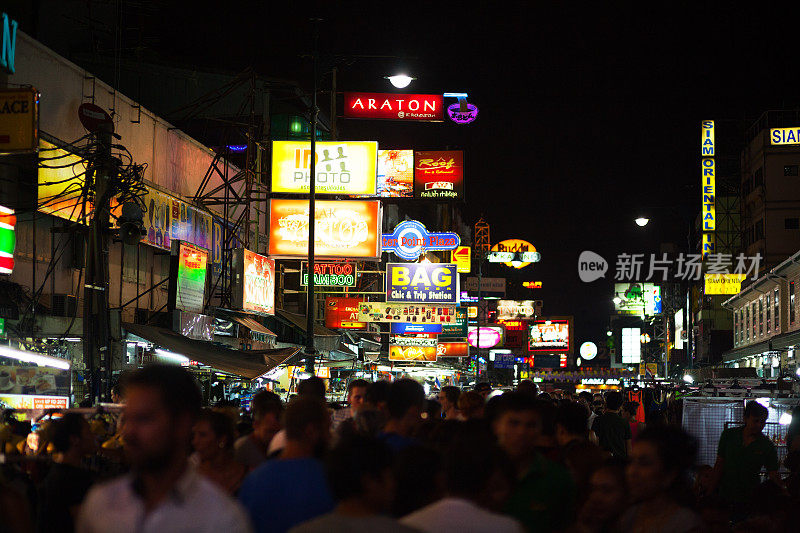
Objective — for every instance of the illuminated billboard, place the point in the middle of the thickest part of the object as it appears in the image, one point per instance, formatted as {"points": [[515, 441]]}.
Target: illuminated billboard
{"points": [[631, 346], [342, 167], [516, 309], [551, 335], [410, 239], [452, 349], [514, 253], [707, 139], [784, 136], [435, 283], [330, 274], [637, 299], [342, 313], [709, 191], [190, 284], [345, 228], [439, 175], [396, 173], [723, 283], [414, 313], [253, 282], [458, 328], [8, 239], [485, 336], [412, 340], [391, 106]]}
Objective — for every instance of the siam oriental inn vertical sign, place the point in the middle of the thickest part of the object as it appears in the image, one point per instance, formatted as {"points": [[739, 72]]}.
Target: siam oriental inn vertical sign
{"points": [[708, 167]]}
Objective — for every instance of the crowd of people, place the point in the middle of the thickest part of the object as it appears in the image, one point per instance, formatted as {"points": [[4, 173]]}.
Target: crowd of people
{"points": [[394, 460]]}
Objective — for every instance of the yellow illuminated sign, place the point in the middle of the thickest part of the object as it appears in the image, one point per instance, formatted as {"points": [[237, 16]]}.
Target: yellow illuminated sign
{"points": [[19, 118], [515, 246], [462, 257], [709, 190], [708, 244], [724, 283], [347, 167], [784, 136], [707, 139]]}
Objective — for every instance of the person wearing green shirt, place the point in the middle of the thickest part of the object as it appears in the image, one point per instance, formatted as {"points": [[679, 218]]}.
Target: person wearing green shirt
{"points": [[741, 454], [611, 431], [543, 498]]}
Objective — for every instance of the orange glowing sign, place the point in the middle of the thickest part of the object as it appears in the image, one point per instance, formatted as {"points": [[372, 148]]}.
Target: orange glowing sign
{"points": [[532, 284], [344, 228], [425, 354]]}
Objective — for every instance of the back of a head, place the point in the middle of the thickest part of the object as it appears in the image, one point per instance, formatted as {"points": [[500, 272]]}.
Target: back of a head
{"points": [[676, 448], [753, 408], [403, 395], [470, 404], [573, 417], [514, 402], [377, 393], [351, 460], [177, 388], [452, 394], [302, 412], [614, 400], [63, 429], [221, 424], [312, 387], [527, 386], [265, 402], [585, 396]]}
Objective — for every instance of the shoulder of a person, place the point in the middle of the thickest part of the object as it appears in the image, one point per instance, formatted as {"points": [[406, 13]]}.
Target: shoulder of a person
{"points": [[223, 507]]}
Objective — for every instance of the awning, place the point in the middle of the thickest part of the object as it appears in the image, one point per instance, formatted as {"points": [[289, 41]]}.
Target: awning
{"points": [[771, 346], [252, 325], [291, 328], [247, 364], [299, 321]]}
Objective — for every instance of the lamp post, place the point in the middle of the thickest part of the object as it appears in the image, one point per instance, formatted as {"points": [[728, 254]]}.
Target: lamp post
{"points": [[310, 303]]}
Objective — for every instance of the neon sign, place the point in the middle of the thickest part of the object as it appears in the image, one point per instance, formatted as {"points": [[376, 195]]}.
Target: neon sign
{"points": [[462, 114], [490, 336], [330, 274], [410, 239], [9, 44]]}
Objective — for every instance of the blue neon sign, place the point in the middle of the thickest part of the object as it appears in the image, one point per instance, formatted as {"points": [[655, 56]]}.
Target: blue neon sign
{"points": [[410, 239]]}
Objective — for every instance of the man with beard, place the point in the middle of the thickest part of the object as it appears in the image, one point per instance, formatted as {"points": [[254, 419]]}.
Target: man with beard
{"points": [[162, 492]]}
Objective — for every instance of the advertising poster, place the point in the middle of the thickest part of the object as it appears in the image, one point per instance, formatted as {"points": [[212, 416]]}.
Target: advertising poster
{"points": [[411, 340], [329, 274], [424, 354], [342, 313], [344, 229], [31, 401], [549, 336], [452, 349], [414, 313], [254, 282], [191, 282], [391, 106], [638, 299], [33, 380], [347, 167], [396, 173], [459, 327], [422, 283], [439, 175]]}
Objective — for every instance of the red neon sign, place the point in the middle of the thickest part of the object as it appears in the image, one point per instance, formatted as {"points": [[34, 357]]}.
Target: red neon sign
{"points": [[388, 106]]}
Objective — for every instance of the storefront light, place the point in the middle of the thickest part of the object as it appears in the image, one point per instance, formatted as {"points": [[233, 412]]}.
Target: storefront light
{"points": [[785, 419], [32, 357], [172, 356]]}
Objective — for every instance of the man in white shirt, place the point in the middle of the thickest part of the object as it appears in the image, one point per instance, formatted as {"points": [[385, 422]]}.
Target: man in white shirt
{"points": [[163, 492], [477, 475]]}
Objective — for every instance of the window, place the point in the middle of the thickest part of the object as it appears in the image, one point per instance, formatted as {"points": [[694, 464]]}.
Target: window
{"points": [[746, 321], [777, 303], [791, 302], [790, 170], [760, 317], [753, 318], [768, 309], [791, 223], [758, 178]]}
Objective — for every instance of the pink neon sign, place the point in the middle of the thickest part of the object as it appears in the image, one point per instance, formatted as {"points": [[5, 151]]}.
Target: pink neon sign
{"points": [[489, 337]]}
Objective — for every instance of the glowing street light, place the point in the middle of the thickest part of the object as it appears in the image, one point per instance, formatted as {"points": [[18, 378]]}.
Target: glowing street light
{"points": [[642, 221], [401, 81]]}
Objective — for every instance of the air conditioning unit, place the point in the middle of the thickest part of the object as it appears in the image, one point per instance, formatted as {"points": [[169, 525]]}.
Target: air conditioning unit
{"points": [[64, 305]]}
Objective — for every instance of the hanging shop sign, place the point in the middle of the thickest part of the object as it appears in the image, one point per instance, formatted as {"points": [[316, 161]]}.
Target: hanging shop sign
{"points": [[551, 335], [588, 351], [408, 340], [8, 239], [720, 283], [638, 299], [707, 138], [458, 328], [709, 185], [462, 257], [452, 349], [423, 354], [514, 253], [410, 239], [422, 283], [462, 112], [439, 175], [489, 287], [344, 229], [346, 167], [503, 359], [414, 313], [19, 119], [396, 173], [405, 328], [9, 48], [191, 267], [342, 313], [489, 336], [388, 106], [516, 309], [253, 286], [779, 136], [330, 274]]}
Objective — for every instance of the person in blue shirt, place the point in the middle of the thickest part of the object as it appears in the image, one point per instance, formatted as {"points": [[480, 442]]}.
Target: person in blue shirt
{"points": [[292, 489]]}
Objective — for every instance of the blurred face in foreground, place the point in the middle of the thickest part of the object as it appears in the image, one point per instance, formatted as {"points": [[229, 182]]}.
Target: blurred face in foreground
{"points": [[152, 434], [607, 498], [205, 442], [645, 473], [517, 431]]}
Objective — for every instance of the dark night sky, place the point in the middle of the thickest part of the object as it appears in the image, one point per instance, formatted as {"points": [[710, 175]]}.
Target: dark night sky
{"points": [[587, 116]]}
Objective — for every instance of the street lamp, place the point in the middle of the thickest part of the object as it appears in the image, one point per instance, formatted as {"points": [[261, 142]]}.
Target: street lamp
{"points": [[642, 221], [401, 81]]}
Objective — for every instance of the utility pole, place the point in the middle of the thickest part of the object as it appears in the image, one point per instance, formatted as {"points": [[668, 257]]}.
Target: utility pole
{"points": [[97, 346], [482, 247], [310, 302]]}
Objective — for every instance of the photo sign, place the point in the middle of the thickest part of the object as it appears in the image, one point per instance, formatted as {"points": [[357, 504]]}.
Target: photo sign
{"points": [[439, 175], [410, 239], [414, 313], [344, 229], [342, 167], [435, 283], [253, 282]]}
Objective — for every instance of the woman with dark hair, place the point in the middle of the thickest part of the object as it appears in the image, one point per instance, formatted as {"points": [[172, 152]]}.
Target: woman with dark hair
{"points": [[658, 481], [213, 437]]}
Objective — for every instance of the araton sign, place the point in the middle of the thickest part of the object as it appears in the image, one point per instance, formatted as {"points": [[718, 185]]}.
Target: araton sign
{"points": [[388, 106]]}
